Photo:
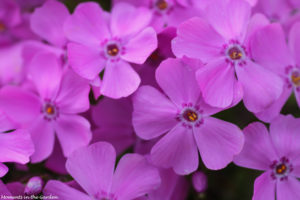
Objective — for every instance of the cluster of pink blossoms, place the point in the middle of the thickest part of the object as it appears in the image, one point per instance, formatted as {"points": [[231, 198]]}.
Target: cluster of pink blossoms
{"points": [[123, 102]]}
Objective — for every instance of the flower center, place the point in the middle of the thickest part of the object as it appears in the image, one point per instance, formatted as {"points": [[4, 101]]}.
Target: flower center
{"points": [[281, 169], [161, 5], [112, 49], [295, 78], [235, 53], [190, 115], [50, 111]]}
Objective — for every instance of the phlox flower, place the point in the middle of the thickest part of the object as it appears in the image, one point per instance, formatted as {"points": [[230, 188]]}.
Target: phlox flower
{"points": [[15, 144], [221, 41], [109, 42], [53, 108], [183, 120], [93, 168], [271, 50], [277, 154]]}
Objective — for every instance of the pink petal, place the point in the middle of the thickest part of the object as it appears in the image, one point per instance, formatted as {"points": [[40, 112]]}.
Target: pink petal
{"points": [[177, 149], [127, 20], [57, 162], [139, 48], [178, 81], [257, 21], [119, 80], [218, 83], [3, 189], [49, 25], [16, 188], [269, 48], [87, 25], [19, 105], [63, 191], [3, 170], [6, 124], [42, 134], [134, 177], [285, 135], [153, 114], [73, 96], [197, 39], [16, 146], [258, 151], [288, 189], [261, 87], [85, 61], [218, 141], [274, 109], [294, 42], [73, 131], [229, 18], [92, 167], [264, 187], [46, 73]]}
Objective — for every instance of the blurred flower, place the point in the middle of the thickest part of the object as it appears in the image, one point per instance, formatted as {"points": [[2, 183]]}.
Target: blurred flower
{"points": [[93, 168]]}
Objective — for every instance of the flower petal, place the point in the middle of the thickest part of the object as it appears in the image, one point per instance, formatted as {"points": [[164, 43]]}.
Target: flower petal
{"points": [[3, 189], [85, 61], [128, 20], [258, 151], [73, 131], [178, 81], [73, 96], [46, 73], [16, 146], [218, 83], [264, 187], [288, 189], [92, 167], [3, 171], [119, 80], [269, 48], [285, 135], [139, 48], [294, 42], [87, 25], [48, 25], [197, 39], [153, 114], [218, 141], [42, 134], [229, 18], [63, 191], [134, 177], [21, 106], [261, 87], [177, 149]]}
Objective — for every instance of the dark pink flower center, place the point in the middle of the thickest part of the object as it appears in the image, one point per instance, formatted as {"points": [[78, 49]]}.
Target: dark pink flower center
{"points": [[190, 115], [161, 4], [50, 111], [295, 78], [112, 50], [281, 169], [235, 53]]}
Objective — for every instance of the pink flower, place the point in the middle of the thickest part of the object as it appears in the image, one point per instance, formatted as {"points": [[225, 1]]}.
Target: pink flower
{"points": [[269, 48], [185, 119], [110, 42], [54, 108], [277, 154], [199, 180], [15, 144], [221, 41], [93, 168]]}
